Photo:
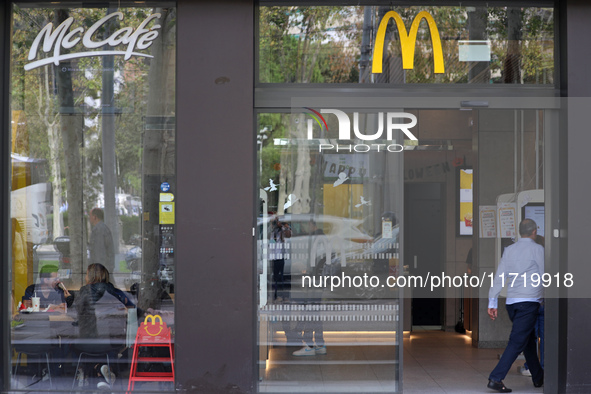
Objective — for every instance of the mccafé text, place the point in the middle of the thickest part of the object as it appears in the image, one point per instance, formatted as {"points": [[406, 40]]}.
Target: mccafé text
{"points": [[62, 38]]}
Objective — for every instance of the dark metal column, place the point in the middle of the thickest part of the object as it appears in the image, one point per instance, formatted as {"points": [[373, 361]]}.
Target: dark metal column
{"points": [[5, 234], [215, 316], [568, 320]]}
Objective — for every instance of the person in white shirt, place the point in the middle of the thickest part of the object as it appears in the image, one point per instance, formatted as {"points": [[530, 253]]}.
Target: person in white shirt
{"points": [[522, 263]]}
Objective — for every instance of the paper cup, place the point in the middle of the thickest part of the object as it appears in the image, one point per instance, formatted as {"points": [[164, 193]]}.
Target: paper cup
{"points": [[36, 302]]}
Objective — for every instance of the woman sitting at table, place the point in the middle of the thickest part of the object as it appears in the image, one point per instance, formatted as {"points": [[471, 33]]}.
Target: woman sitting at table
{"points": [[102, 318], [97, 288], [50, 290]]}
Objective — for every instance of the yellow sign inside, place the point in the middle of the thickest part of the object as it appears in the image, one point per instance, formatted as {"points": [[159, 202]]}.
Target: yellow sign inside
{"points": [[166, 213], [407, 42], [166, 197]]}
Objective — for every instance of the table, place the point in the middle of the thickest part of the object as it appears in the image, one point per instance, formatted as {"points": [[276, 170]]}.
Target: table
{"points": [[55, 332]]}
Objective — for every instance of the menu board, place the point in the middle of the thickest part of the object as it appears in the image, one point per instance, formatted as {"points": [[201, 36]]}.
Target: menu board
{"points": [[535, 211], [466, 210]]}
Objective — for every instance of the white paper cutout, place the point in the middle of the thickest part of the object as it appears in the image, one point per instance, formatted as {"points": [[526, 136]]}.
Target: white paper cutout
{"points": [[363, 202], [342, 179], [291, 199]]}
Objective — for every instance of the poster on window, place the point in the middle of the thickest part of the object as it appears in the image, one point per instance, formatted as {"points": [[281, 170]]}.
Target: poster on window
{"points": [[506, 220], [488, 221]]}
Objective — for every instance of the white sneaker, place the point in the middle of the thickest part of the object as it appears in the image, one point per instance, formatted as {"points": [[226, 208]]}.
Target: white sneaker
{"points": [[320, 349], [524, 371], [108, 375], [305, 351], [103, 386]]}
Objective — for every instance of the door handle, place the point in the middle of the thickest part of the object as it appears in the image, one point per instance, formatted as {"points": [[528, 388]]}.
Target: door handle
{"points": [[415, 263]]}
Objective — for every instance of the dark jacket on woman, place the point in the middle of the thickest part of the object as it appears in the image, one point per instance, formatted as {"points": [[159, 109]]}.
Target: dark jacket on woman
{"points": [[101, 308]]}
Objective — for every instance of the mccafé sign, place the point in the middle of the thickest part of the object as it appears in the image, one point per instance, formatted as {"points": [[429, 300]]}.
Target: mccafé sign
{"points": [[62, 38], [407, 42]]}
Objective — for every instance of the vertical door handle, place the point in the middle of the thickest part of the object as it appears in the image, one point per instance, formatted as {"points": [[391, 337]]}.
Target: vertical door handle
{"points": [[415, 262]]}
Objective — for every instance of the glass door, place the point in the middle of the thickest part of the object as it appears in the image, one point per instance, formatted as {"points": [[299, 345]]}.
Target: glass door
{"points": [[328, 252]]}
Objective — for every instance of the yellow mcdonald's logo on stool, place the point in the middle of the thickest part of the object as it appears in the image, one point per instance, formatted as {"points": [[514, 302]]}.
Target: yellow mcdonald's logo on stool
{"points": [[153, 318], [407, 42]]}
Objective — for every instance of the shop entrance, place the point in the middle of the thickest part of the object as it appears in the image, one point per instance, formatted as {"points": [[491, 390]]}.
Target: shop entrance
{"points": [[403, 216], [423, 246]]}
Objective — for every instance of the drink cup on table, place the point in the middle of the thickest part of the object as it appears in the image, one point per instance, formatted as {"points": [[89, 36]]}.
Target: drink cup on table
{"points": [[36, 303]]}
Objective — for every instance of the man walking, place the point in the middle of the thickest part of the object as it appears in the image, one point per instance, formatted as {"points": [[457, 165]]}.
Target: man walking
{"points": [[101, 241], [519, 263]]}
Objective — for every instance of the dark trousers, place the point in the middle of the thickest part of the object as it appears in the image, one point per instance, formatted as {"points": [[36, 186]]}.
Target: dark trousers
{"points": [[522, 339], [540, 334], [278, 267]]}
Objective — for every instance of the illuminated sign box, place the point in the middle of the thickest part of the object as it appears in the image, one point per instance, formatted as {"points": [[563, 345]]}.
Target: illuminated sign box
{"points": [[474, 51], [407, 42]]}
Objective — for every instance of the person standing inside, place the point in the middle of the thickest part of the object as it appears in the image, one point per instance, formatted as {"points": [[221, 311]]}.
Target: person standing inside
{"points": [[311, 332], [281, 231], [519, 263], [101, 241]]}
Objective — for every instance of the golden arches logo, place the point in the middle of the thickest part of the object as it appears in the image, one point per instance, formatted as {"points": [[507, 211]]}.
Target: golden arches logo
{"points": [[407, 42], [153, 318]]}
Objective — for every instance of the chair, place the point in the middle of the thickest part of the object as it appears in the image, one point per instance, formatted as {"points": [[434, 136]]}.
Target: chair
{"points": [[151, 337], [36, 350], [111, 320], [94, 350]]}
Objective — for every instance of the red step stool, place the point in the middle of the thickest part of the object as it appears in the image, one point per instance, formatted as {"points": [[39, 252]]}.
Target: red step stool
{"points": [[151, 335]]}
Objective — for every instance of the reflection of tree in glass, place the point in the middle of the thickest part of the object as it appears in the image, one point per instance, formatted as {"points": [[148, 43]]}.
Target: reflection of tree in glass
{"points": [[297, 44], [63, 107], [334, 45]]}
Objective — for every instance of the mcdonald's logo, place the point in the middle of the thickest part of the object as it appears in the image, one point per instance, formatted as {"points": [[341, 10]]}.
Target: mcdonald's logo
{"points": [[153, 318], [407, 42]]}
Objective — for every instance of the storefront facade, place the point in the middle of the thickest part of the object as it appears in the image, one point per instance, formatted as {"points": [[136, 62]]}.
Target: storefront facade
{"points": [[215, 134]]}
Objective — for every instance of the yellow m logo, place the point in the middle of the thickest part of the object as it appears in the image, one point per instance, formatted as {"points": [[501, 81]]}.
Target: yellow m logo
{"points": [[407, 42], [152, 318]]}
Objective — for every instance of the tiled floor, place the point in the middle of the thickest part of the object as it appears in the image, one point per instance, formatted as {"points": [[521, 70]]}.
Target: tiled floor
{"points": [[434, 362], [445, 362], [354, 363]]}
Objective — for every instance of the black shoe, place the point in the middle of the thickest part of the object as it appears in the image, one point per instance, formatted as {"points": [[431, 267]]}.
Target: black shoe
{"points": [[498, 386], [540, 383]]}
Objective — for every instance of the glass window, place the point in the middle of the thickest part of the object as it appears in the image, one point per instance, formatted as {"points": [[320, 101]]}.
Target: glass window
{"points": [[327, 246], [406, 45], [93, 184], [358, 232]]}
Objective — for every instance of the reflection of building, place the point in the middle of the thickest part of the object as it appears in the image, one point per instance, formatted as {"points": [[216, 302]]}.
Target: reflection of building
{"points": [[126, 204], [513, 142]]}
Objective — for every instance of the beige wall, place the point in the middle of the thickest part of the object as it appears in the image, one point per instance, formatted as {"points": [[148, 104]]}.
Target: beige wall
{"points": [[500, 171], [485, 140], [448, 129]]}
